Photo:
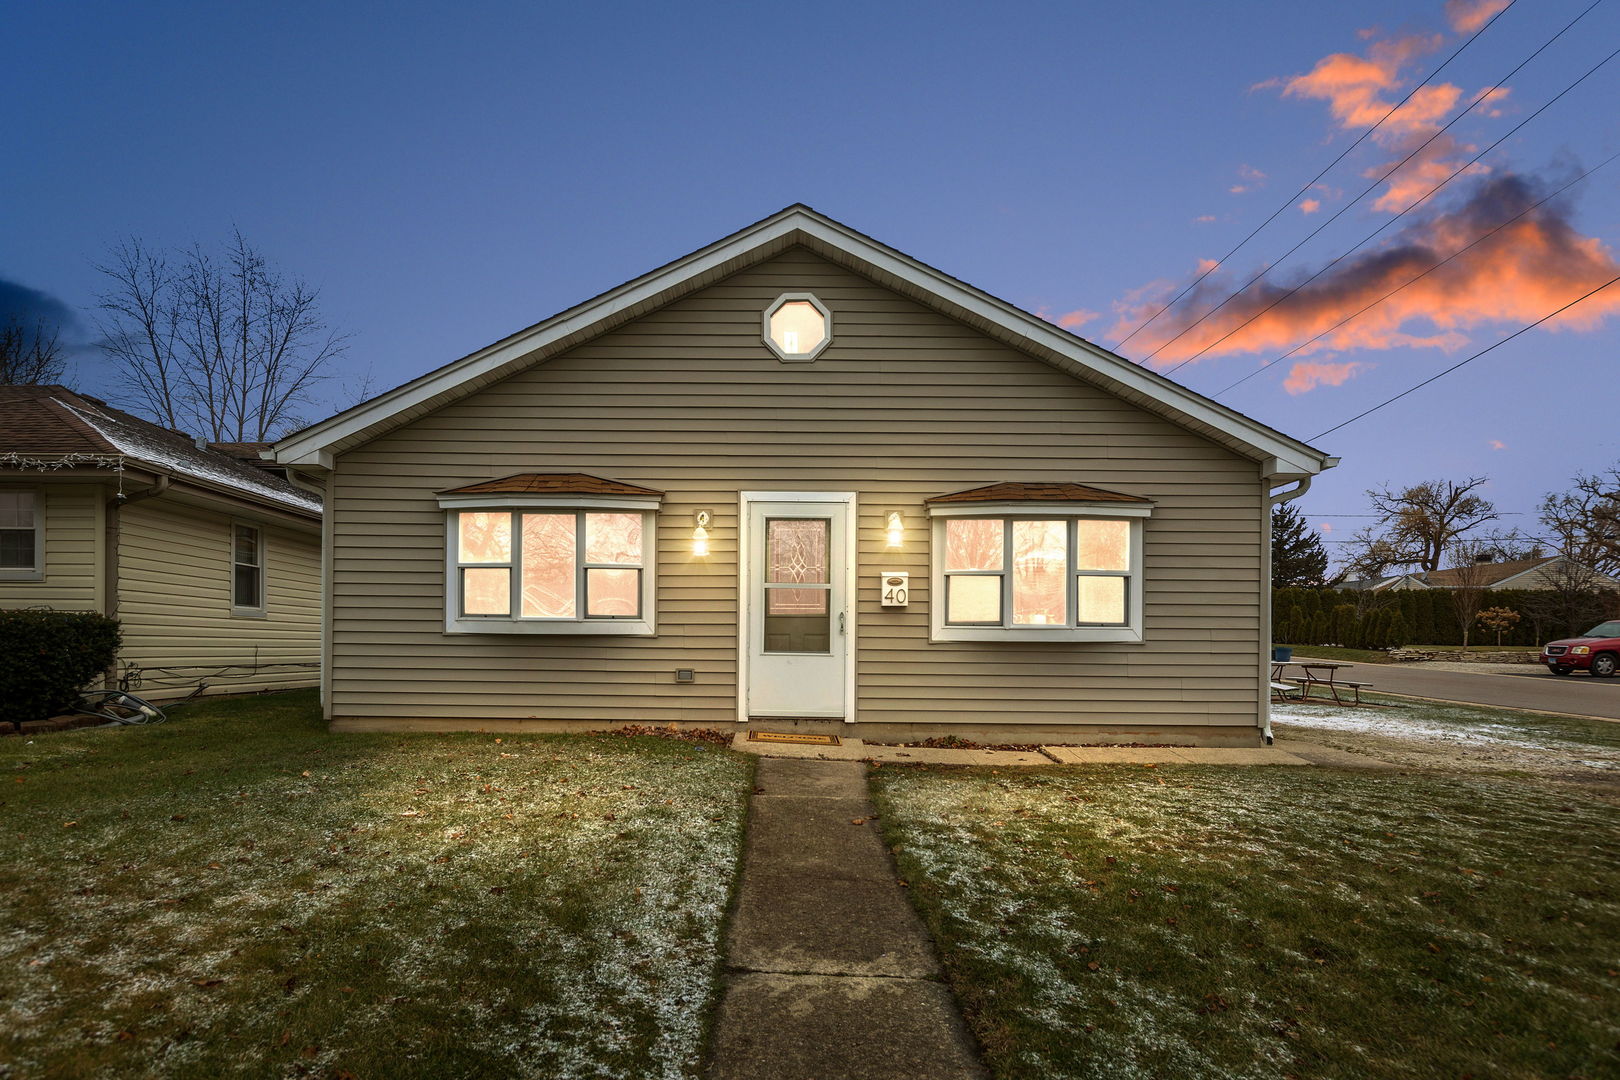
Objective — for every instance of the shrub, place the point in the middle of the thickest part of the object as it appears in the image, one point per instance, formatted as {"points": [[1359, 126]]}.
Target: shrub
{"points": [[47, 657]]}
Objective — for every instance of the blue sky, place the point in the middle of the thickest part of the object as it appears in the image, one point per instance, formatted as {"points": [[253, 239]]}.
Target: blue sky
{"points": [[449, 173]]}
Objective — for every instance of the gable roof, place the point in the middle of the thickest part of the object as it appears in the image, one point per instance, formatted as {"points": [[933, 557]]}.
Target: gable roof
{"points": [[551, 484], [1018, 492], [1280, 456], [51, 421], [1485, 575]]}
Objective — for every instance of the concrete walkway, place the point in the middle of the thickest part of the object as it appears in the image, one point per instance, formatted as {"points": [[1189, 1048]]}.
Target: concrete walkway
{"points": [[850, 749], [830, 972]]}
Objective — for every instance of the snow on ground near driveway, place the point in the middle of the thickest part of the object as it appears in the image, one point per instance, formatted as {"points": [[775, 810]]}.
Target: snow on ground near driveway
{"points": [[1417, 734]]}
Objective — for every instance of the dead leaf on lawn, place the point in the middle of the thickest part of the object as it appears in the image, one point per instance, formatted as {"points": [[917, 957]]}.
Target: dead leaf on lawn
{"points": [[857, 821], [69, 824]]}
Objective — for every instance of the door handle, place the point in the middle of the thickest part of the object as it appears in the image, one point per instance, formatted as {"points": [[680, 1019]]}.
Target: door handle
{"points": [[841, 629]]}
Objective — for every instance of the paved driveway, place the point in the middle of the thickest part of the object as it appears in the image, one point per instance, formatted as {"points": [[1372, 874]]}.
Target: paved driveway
{"points": [[1512, 688]]}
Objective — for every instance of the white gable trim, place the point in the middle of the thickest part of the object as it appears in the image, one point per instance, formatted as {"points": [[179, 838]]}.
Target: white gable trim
{"points": [[1281, 457]]}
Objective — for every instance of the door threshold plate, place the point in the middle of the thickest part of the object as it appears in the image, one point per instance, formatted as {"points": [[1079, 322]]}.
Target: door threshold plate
{"points": [[792, 737]]}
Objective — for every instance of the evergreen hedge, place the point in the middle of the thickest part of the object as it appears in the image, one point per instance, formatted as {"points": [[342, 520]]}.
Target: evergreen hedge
{"points": [[47, 657], [1388, 620]]}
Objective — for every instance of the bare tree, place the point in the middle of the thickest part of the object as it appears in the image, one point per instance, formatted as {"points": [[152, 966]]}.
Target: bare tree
{"points": [[1585, 520], [1417, 525], [30, 355], [1470, 563], [224, 347]]}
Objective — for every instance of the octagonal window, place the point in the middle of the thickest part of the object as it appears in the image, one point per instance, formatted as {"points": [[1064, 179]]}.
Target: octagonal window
{"points": [[797, 327]]}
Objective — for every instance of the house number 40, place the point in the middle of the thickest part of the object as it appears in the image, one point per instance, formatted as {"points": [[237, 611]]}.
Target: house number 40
{"points": [[895, 591]]}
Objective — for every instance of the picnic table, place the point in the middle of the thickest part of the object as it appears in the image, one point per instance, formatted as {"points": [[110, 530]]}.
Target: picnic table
{"points": [[1323, 673]]}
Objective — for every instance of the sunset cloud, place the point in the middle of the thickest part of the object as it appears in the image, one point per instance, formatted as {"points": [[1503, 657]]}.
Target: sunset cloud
{"points": [[1073, 320], [1528, 268], [1326, 526], [1204, 219], [1498, 444], [1308, 375], [1466, 16], [1310, 206]]}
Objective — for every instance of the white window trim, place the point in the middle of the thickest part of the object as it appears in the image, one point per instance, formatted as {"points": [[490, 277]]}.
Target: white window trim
{"points": [[37, 571], [261, 609], [797, 358], [580, 625], [1130, 633]]}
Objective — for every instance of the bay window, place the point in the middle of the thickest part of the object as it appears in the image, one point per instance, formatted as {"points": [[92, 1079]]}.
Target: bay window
{"points": [[1037, 573], [537, 566]]}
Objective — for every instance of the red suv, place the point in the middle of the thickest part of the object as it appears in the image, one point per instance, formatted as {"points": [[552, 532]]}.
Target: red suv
{"points": [[1597, 650]]}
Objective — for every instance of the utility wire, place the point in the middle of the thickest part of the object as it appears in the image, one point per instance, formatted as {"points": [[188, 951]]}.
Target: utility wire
{"points": [[1469, 359], [1485, 96], [1369, 237], [1477, 240], [1313, 180]]}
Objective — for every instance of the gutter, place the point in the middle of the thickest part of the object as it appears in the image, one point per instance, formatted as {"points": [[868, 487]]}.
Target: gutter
{"points": [[1276, 499]]}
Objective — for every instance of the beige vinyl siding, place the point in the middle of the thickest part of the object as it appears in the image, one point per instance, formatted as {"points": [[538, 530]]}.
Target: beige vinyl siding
{"points": [[74, 520], [903, 405], [175, 602]]}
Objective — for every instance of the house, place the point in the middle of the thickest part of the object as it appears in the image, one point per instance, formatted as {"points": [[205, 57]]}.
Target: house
{"points": [[1538, 572], [208, 555], [798, 480]]}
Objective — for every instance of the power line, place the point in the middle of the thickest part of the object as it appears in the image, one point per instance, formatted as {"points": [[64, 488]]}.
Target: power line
{"points": [[1477, 240], [1313, 181], [1469, 359], [1485, 96], [1369, 237]]}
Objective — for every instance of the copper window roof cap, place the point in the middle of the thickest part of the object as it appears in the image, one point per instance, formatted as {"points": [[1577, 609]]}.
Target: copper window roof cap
{"points": [[552, 484], [1042, 492]]}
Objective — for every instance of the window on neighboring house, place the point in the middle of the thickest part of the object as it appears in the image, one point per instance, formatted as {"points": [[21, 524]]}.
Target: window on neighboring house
{"points": [[551, 570], [247, 569], [1050, 575], [22, 537]]}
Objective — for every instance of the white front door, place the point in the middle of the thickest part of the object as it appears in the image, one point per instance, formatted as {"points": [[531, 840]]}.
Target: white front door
{"points": [[796, 573]]}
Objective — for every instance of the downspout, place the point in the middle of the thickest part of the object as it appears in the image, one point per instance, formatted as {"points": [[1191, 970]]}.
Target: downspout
{"points": [[109, 561], [1276, 499]]}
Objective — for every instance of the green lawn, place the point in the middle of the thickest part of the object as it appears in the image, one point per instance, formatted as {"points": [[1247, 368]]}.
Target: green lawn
{"points": [[1268, 922], [238, 892]]}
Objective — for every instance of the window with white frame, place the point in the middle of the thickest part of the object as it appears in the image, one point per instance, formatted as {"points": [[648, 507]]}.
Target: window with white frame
{"points": [[247, 569], [550, 570], [22, 530], [1041, 575]]}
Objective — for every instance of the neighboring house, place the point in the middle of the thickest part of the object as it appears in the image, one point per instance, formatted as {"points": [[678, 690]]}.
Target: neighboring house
{"points": [[209, 556], [1541, 572], [794, 478]]}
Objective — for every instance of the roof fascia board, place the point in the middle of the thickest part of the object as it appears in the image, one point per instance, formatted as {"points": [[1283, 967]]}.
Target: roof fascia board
{"points": [[1276, 452]]}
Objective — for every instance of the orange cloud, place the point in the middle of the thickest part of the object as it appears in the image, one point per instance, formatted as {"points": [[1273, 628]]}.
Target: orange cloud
{"points": [[1498, 444], [1533, 266], [1204, 219], [1466, 16], [1326, 526], [1427, 170], [1249, 172], [1073, 320], [1310, 206], [1307, 375]]}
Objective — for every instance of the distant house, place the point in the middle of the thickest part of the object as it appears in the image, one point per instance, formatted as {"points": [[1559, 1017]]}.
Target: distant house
{"points": [[1541, 572], [799, 480], [208, 555]]}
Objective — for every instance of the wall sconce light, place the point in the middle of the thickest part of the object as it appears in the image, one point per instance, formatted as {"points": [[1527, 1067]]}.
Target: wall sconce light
{"points": [[896, 528], [700, 534]]}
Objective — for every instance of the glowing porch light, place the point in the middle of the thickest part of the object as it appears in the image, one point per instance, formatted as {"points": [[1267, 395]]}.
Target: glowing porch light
{"points": [[700, 533], [896, 529]]}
